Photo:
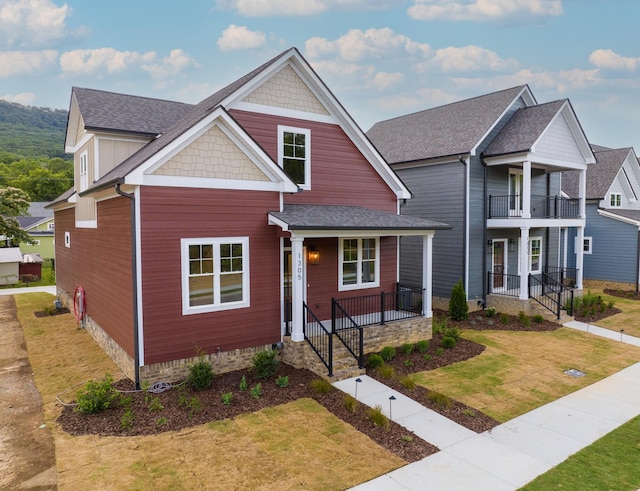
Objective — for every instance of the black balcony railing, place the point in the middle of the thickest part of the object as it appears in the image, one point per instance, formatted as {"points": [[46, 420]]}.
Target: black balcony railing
{"points": [[318, 336], [510, 205], [504, 284]]}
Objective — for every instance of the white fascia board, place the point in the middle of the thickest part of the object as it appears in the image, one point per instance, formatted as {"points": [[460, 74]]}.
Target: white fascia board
{"points": [[142, 174], [281, 111], [517, 159], [86, 224], [212, 183], [80, 144], [278, 222], [314, 234], [526, 94], [628, 220], [517, 223]]}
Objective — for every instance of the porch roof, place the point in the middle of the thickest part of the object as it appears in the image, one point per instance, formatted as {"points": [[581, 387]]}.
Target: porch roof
{"points": [[330, 217]]}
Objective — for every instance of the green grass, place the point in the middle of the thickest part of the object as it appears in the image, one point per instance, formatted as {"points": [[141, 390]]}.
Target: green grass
{"points": [[610, 463]]}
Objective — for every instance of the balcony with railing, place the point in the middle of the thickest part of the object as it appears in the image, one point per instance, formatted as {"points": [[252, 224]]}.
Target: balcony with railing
{"points": [[511, 205]]}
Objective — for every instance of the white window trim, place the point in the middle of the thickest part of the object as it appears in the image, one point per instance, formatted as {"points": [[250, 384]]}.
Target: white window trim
{"points": [[216, 242], [359, 285], [307, 151], [611, 198], [589, 241], [36, 242], [51, 226], [539, 270], [84, 171], [67, 239]]}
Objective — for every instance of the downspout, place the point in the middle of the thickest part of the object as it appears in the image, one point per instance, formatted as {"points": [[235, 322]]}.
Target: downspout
{"points": [[546, 230], [485, 243], [134, 281], [466, 226]]}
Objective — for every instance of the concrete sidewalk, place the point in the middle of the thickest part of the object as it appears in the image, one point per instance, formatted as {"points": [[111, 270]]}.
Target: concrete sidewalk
{"points": [[29, 289], [512, 454]]}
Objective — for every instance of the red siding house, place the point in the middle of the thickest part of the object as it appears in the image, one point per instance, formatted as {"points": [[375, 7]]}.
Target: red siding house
{"points": [[260, 218]]}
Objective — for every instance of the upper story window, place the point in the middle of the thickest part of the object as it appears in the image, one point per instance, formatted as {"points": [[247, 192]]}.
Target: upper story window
{"points": [[359, 264], [51, 226], [615, 200], [294, 154], [215, 274], [84, 171], [535, 255]]}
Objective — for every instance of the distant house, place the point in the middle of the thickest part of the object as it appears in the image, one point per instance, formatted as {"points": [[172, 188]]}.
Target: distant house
{"points": [[490, 167], [251, 221], [611, 242], [10, 259], [40, 226]]}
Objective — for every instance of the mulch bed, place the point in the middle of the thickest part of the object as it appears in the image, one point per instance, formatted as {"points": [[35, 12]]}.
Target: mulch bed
{"points": [[630, 294], [48, 313]]}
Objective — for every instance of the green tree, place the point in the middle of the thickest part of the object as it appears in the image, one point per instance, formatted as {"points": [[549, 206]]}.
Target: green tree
{"points": [[458, 308], [42, 184], [14, 202]]}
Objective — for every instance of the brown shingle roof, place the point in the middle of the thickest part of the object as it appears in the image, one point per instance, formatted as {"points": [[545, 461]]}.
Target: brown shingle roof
{"points": [[599, 175], [446, 130]]}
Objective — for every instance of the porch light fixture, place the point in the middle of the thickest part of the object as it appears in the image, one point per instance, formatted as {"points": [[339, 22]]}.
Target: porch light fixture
{"points": [[313, 256], [512, 245]]}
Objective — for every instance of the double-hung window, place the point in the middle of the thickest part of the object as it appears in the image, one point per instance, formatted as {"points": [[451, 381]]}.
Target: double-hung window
{"points": [[294, 154], [215, 274], [535, 255], [615, 200], [84, 171], [359, 264]]}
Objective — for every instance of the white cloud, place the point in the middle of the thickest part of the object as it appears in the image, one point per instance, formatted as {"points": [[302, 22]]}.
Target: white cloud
{"points": [[482, 10], [29, 23], [358, 45], [466, 59], [240, 37], [87, 61], [606, 58], [384, 80], [24, 98], [264, 8], [25, 62], [177, 62]]}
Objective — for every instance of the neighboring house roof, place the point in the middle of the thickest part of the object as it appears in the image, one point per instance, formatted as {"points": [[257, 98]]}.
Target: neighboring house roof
{"points": [[26, 222], [630, 216], [39, 209], [599, 176], [599, 148], [10, 255], [525, 128], [109, 111], [63, 197], [452, 129], [32, 257], [326, 217]]}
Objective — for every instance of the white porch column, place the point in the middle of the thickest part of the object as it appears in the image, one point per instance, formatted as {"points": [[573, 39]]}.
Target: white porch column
{"points": [[297, 288], [523, 258], [582, 192], [427, 275], [526, 189], [565, 239], [579, 256]]}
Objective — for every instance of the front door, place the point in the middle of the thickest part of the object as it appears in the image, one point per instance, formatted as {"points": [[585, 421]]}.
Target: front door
{"points": [[499, 264]]}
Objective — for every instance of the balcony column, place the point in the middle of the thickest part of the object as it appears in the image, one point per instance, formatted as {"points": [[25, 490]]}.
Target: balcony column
{"points": [[579, 256], [427, 278], [582, 192], [526, 189], [523, 258], [297, 288]]}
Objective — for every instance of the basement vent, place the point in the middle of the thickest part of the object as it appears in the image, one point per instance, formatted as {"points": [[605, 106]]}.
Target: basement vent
{"points": [[572, 372]]}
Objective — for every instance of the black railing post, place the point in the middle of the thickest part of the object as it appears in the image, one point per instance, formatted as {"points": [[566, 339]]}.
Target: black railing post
{"points": [[333, 314], [559, 302], [382, 308], [361, 348], [331, 354]]}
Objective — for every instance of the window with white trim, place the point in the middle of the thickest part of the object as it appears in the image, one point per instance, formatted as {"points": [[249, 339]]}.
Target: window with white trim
{"points": [[84, 171], [535, 255], [294, 154], [215, 274], [359, 263], [36, 242], [615, 200], [586, 245], [67, 239], [51, 226]]}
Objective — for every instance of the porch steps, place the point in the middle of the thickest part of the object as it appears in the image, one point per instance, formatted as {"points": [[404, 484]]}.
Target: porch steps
{"points": [[301, 355], [536, 308], [344, 364]]}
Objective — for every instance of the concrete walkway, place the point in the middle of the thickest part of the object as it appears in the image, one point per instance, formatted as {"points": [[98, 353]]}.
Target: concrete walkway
{"points": [[511, 454], [29, 289]]}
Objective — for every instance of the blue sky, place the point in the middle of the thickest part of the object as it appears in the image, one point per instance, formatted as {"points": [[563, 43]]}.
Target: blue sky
{"points": [[381, 58]]}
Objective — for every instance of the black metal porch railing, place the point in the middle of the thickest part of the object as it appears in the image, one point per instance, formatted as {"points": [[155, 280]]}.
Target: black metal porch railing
{"points": [[504, 284], [541, 206], [319, 337], [348, 332], [550, 294], [564, 276]]}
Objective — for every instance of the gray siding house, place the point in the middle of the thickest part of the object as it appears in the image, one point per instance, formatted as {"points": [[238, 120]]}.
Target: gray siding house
{"points": [[491, 168], [611, 242]]}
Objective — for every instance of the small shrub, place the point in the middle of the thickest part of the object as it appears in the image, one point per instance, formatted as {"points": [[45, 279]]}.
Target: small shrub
{"points": [[490, 312], [538, 319], [452, 332], [201, 373], [227, 398], [526, 322], [423, 346], [407, 348], [504, 318], [427, 357], [282, 381], [161, 421], [126, 421], [256, 391], [155, 404], [440, 351], [469, 412], [375, 361], [388, 353], [408, 382], [96, 396], [458, 308], [350, 403], [265, 364], [386, 371], [191, 404], [408, 363], [407, 438], [243, 384], [522, 316], [448, 342], [376, 416], [439, 399], [321, 386], [610, 305]]}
